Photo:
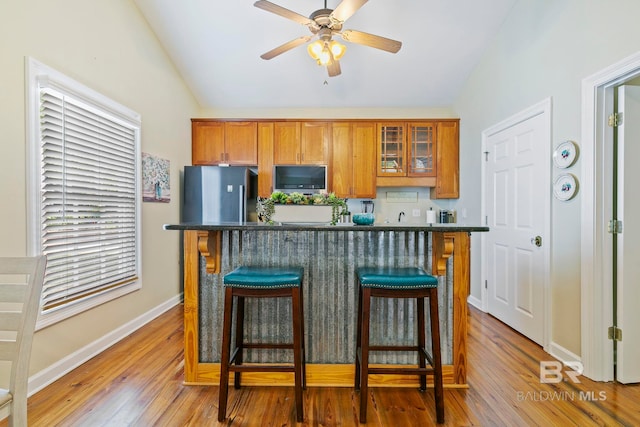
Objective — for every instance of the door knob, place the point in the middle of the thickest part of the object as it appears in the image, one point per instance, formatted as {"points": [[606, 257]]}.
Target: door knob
{"points": [[536, 241]]}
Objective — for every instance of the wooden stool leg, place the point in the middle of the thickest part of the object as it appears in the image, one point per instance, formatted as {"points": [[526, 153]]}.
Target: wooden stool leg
{"points": [[297, 351], [358, 340], [304, 354], [224, 358], [436, 355], [239, 339], [364, 368], [422, 342]]}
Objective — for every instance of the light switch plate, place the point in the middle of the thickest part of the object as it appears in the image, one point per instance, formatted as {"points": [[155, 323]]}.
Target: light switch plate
{"points": [[416, 212]]}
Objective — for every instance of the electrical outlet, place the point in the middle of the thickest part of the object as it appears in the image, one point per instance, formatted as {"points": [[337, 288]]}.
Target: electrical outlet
{"points": [[416, 212]]}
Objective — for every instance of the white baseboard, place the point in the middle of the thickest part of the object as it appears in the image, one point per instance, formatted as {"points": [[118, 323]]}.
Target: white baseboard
{"points": [[562, 354], [476, 302], [48, 375]]}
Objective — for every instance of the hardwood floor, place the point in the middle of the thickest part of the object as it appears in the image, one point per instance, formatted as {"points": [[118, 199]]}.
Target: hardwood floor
{"points": [[138, 382]]}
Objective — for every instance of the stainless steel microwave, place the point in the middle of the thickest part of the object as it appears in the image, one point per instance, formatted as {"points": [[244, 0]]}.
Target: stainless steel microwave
{"points": [[303, 179]]}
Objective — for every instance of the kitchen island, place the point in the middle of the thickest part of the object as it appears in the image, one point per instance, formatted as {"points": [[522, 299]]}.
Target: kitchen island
{"points": [[329, 255]]}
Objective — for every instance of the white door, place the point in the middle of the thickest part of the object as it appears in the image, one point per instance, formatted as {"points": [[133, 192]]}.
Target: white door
{"points": [[628, 267], [517, 187]]}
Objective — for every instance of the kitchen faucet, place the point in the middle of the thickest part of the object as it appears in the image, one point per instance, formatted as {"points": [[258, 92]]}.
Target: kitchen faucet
{"points": [[400, 215]]}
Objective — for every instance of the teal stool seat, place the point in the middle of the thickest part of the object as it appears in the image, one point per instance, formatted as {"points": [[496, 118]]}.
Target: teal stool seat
{"points": [[398, 282], [264, 277], [261, 282], [396, 278]]}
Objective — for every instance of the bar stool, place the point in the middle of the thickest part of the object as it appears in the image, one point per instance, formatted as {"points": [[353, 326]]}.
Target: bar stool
{"points": [[389, 282], [261, 282]]}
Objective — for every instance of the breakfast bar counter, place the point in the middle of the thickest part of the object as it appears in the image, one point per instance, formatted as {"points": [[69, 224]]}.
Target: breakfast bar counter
{"points": [[329, 255]]}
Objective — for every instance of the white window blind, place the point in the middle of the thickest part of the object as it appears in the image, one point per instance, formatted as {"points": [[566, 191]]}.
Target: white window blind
{"points": [[89, 221]]}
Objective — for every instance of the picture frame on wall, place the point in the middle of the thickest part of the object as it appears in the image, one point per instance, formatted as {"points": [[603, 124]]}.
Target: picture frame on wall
{"points": [[155, 179]]}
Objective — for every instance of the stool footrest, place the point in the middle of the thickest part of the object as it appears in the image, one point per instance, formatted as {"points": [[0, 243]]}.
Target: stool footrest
{"points": [[395, 348], [268, 345], [401, 371], [261, 368]]}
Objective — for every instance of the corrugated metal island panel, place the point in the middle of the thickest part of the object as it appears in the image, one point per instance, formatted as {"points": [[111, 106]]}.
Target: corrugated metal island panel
{"points": [[329, 259]]}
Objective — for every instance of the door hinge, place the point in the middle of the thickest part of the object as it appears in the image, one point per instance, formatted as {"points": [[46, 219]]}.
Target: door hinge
{"points": [[615, 226], [615, 120], [615, 333], [485, 284]]}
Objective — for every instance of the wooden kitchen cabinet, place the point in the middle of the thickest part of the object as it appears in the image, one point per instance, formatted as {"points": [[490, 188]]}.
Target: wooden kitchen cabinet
{"points": [[421, 149], [361, 154], [216, 142], [447, 161], [392, 149], [420, 154], [301, 143], [352, 154], [407, 149], [265, 158]]}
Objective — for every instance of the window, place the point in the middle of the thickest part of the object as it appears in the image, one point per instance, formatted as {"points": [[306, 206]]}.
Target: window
{"points": [[84, 193]]}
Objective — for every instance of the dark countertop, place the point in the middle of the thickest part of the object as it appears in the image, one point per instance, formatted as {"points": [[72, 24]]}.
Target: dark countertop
{"points": [[325, 227]]}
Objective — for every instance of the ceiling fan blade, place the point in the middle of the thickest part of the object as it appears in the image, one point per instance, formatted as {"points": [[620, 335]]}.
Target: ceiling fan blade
{"points": [[333, 67], [347, 8], [285, 47], [285, 13], [371, 40]]}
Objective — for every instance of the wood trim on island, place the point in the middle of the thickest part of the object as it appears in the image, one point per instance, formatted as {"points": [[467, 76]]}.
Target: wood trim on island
{"points": [[203, 239]]}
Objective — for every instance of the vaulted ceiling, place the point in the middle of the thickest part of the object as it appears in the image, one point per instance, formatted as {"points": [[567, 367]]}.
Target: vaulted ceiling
{"points": [[216, 47]]}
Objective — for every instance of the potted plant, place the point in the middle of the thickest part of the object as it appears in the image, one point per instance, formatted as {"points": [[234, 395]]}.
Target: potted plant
{"points": [[266, 207]]}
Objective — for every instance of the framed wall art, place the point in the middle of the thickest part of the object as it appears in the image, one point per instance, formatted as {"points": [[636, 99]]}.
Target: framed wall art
{"points": [[155, 179]]}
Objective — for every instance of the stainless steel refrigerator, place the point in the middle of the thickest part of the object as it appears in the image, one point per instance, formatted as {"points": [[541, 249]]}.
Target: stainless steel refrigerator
{"points": [[219, 194]]}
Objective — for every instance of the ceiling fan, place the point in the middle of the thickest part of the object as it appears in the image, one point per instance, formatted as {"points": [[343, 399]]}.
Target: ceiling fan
{"points": [[324, 24]]}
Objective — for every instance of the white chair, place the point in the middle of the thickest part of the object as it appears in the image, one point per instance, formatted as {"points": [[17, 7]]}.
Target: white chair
{"points": [[20, 291]]}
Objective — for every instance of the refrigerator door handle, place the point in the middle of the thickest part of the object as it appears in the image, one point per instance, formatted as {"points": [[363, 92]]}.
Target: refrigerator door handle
{"points": [[242, 207]]}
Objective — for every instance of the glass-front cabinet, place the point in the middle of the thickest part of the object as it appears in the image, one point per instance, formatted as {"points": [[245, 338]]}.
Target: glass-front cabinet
{"points": [[422, 149], [391, 149], [407, 149]]}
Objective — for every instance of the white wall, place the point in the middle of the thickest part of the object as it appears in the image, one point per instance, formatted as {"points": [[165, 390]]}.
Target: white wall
{"points": [[106, 45], [545, 49]]}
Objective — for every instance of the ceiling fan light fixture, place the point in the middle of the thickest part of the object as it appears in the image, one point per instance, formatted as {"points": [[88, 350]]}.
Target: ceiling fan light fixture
{"points": [[315, 49], [337, 49], [321, 51]]}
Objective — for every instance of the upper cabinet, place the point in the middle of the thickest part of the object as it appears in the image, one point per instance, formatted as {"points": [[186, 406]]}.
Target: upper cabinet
{"points": [[392, 149], [265, 159], [447, 161], [422, 149], [419, 154], [216, 142], [301, 143], [352, 155], [407, 149], [360, 154]]}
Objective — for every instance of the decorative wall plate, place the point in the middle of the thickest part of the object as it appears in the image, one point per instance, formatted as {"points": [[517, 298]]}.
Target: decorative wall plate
{"points": [[565, 154], [565, 187]]}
